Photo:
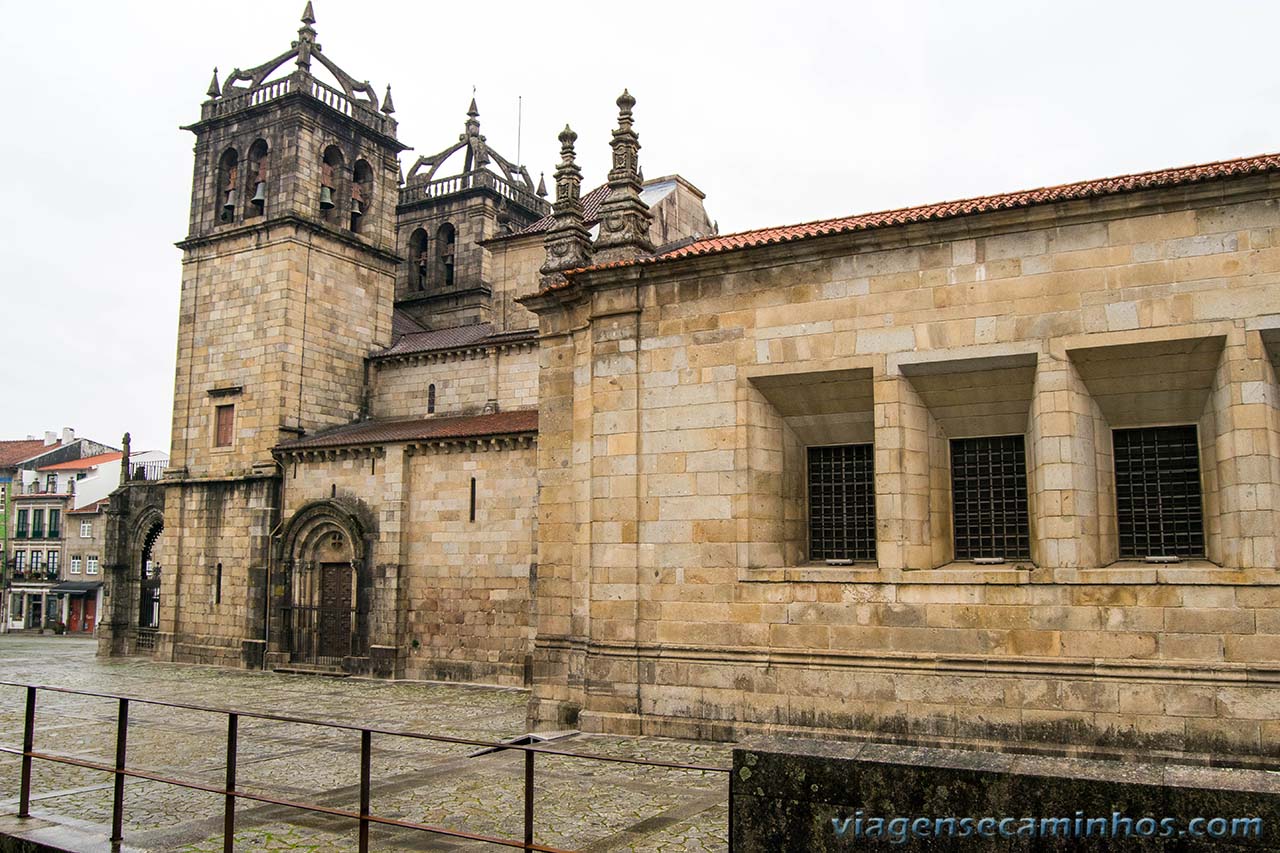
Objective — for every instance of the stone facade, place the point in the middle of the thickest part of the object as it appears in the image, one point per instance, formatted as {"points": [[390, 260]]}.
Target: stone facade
{"points": [[676, 399], [523, 453]]}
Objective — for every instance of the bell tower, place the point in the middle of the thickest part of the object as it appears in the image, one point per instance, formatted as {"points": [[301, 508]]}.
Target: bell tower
{"points": [[290, 261]]}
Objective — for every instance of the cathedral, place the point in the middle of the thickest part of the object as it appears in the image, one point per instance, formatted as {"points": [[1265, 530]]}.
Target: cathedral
{"points": [[1000, 470]]}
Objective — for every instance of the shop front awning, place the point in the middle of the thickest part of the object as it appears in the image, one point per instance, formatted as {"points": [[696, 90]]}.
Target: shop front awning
{"points": [[77, 587]]}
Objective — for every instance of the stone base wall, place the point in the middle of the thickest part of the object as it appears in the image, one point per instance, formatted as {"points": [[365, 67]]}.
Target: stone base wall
{"points": [[207, 524], [807, 795]]}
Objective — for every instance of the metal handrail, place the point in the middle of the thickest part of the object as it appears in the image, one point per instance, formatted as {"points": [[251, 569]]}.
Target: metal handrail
{"points": [[231, 794]]}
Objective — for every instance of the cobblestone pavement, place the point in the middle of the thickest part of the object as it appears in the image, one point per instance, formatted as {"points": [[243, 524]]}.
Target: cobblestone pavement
{"points": [[580, 804]]}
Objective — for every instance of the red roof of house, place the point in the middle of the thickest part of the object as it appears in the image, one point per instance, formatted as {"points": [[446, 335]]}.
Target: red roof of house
{"points": [[418, 429], [951, 209], [83, 464], [13, 452], [90, 509]]}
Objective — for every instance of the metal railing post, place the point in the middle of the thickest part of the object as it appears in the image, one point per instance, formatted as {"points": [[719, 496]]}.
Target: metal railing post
{"points": [[117, 805], [28, 743], [366, 749], [229, 808], [528, 798]]}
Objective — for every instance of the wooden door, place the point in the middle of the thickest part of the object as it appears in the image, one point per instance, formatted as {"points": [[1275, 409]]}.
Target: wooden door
{"points": [[73, 617], [335, 610], [90, 613]]}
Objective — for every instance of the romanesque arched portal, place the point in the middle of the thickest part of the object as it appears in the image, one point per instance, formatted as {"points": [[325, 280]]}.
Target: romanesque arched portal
{"points": [[324, 612]]}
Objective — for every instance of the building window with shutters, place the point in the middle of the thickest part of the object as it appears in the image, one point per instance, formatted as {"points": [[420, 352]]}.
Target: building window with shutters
{"points": [[51, 561], [55, 524], [37, 524], [75, 564], [989, 498], [1158, 499], [91, 564], [22, 527], [842, 502], [224, 421], [86, 530], [19, 561]]}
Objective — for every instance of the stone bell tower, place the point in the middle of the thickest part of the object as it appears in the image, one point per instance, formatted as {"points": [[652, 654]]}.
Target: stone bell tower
{"points": [[288, 281]]}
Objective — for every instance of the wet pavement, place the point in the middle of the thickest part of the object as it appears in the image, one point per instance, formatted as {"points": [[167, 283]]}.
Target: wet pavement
{"points": [[579, 804]]}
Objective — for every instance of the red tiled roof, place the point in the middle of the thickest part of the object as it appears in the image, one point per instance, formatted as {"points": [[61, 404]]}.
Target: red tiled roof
{"points": [[418, 429], [590, 212], [13, 452], [951, 209], [90, 509], [83, 464], [477, 334], [402, 324]]}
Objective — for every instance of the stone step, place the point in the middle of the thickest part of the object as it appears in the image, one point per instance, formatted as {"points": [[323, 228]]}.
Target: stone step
{"points": [[312, 669]]}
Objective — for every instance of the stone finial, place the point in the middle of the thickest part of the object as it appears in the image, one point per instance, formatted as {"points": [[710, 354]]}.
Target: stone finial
{"points": [[124, 458], [214, 91], [568, 242], [306, 42], [542, 185], [624, 218], [387, 107]]}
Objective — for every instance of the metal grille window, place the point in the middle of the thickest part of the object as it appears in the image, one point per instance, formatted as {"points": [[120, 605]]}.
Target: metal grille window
{"points": [[842, 503], [1158, 509], [989, 498]]}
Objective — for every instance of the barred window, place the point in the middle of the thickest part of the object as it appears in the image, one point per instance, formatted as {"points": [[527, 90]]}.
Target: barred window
{"points": [[1158, 507], [989, 498], [842, 503]]}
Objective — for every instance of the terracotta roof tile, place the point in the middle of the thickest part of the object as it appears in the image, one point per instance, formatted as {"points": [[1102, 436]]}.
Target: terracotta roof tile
{"points": [[951, 209], [590, 212], [13, 452], [419, 429], [402, 324], [83, 464], [458, 337], [91, 509]]}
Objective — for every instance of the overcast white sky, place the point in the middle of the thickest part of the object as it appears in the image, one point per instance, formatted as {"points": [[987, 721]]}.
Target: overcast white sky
{"points": [[780, 112]]}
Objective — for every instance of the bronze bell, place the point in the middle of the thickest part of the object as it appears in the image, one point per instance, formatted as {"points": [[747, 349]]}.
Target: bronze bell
{"points": [[260, 194], [326, 198], [229, 205], [357, 209]]}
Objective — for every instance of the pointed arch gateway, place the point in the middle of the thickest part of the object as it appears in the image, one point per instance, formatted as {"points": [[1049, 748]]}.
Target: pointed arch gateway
{"points": [[324, 612]]}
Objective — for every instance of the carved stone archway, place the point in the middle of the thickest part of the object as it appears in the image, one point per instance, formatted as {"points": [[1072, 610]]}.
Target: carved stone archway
{"points": [[323, 587]]}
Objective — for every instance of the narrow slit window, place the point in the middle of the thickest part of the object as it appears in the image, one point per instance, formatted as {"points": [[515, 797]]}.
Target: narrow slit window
{"points": [[473, 498], [989, 498], [217, 585], [1158, 501], [842, 503], [431, 399]]}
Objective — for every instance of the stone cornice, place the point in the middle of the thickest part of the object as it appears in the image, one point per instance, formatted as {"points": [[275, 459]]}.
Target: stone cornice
{"points": [[286, 219], [463, 353]]}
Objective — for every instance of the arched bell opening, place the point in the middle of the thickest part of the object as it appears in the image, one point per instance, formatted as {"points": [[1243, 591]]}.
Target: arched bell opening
{"points": [[361, 194], [446, 239], [259, 174], [419, 260], [227, 195], [332, 183]]}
